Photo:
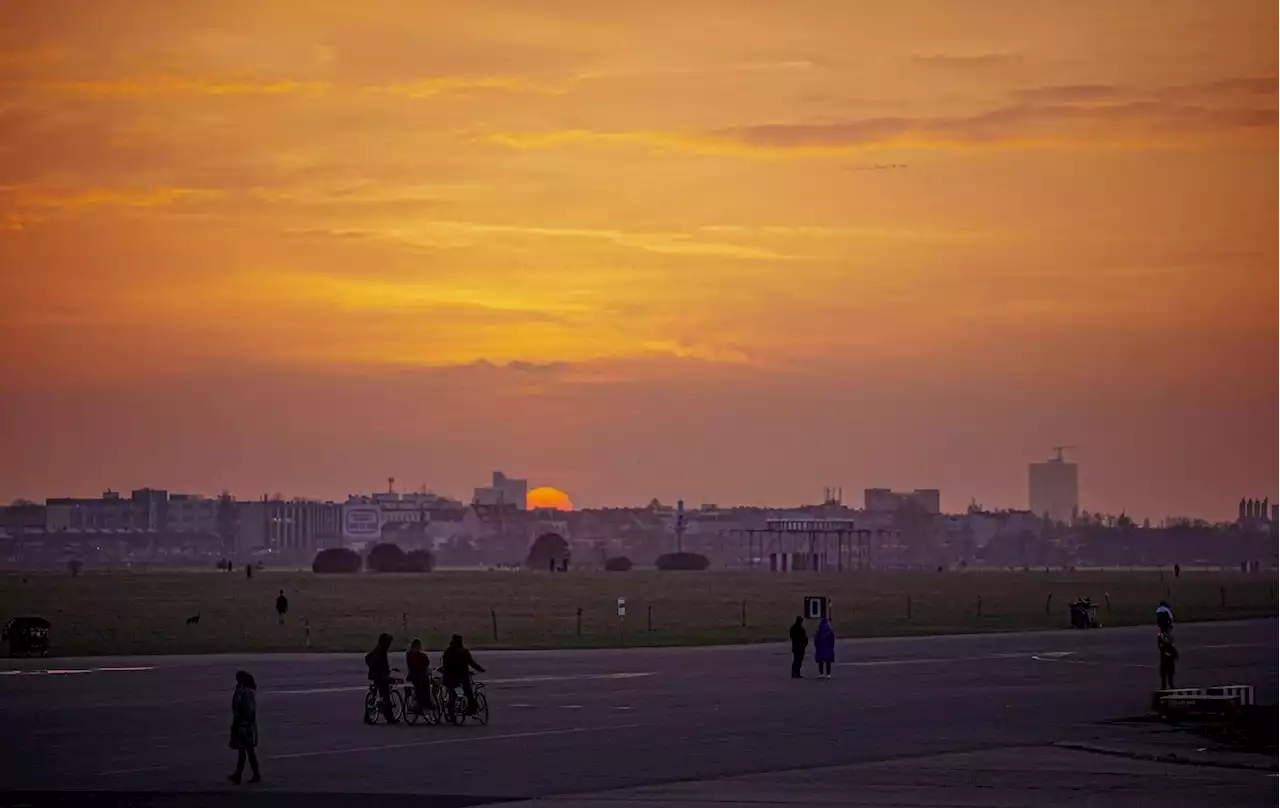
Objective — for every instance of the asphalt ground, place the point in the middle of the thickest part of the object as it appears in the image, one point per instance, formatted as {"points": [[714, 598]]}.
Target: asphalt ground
{"points": [[154, 730]]}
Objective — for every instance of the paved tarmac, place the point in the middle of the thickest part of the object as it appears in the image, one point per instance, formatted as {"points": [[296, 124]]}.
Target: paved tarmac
{"points": [[911, 721]]}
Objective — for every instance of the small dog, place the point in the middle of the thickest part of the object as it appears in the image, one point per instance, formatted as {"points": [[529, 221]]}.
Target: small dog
{"points": [[193, 620]]}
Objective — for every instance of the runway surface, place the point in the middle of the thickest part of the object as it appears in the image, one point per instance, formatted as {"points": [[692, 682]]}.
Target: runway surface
{"points": [[575, 722]]}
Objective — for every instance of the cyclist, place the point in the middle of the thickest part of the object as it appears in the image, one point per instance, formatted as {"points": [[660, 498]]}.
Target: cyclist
{"points": [[456, 665], [418, 667], [380, 674]]}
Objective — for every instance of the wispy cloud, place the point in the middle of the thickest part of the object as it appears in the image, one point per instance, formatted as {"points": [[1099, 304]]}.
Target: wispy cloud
{"points": [[1023, 125]]}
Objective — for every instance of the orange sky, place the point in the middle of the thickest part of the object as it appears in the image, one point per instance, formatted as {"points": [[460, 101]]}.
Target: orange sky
{"points": [[730, 251]]}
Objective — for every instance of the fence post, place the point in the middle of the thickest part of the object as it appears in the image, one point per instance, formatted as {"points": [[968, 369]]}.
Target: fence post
{"points": [[744, 612], [1107, 596], [979, 605], [306, 627], [908, 607], [404, 623], [650, 618], [1222, 596], [493, 617], [1049, 600], [579, 621]]}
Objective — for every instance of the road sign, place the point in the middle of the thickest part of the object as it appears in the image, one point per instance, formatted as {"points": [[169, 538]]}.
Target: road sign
{"points": [[622, 607], [816, 607]]}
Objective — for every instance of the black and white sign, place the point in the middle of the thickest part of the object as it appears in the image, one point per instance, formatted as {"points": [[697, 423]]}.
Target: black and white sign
{"points": [[815, 607]]}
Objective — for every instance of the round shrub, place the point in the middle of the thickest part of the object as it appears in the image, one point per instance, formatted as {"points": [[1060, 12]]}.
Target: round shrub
{"points": [[547, 548], [617, 564], [683, 561], [419, 561], [336, 560], [386, 557]]}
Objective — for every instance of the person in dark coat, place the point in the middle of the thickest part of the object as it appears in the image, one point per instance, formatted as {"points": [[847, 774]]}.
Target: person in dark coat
{"points": [[1168, 659], [244, 727], [824, 648], [456, 664], [380, 674], [282, 606], [418, 673], [799, 642]]}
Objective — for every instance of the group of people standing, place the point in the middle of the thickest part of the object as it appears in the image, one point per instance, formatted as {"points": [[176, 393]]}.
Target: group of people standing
{"points": [[824, 648]]}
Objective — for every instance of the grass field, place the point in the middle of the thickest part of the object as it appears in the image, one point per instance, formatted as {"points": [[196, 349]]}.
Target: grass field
{"points": [[145, 613]]}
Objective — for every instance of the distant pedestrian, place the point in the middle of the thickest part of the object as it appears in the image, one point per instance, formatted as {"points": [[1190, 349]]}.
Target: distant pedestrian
{"points": [[799, 642], [824, 648], [282, 606], [1168, 660], [1164, 618], [244, 727]]}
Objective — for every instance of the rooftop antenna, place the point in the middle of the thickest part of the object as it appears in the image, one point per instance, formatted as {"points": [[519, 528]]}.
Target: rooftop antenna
{"points": [[1059, 449], [391, 485]]}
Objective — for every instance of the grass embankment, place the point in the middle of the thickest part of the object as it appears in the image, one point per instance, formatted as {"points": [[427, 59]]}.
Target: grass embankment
{"points": [[145, 613]]}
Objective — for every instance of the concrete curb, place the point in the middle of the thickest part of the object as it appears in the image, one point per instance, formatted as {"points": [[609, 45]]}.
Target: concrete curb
{"points": [[1166, 757]]}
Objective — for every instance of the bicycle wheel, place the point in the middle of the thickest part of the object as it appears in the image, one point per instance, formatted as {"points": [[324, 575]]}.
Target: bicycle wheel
{"points": [[412, 708], [482, 707], [397, 704], [454, 712], [371, 711], [435, 713]]}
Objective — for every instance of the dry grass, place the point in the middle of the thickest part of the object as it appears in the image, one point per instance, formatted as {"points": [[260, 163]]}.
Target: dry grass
{"points": [[145, 613]]}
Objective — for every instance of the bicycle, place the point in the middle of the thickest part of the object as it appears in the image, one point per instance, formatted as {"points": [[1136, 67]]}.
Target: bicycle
{"points": [[373, 705], [453, 702], [414, 709]]}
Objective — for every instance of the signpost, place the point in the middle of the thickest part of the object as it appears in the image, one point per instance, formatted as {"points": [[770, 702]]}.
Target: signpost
{"points": [[622, 616]]}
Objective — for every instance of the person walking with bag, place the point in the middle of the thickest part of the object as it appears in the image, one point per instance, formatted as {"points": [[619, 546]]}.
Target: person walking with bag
{"points": [[244, 727]]}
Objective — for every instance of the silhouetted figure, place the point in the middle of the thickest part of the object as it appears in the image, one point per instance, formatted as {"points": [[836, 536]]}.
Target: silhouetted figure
{"points": [[282, 606], [1177, 570], [456, 664], [1164, 618], [799, 642], [244, 727], [1168, 659], [418, 672], [248, 570], [824, 648], [380, 675], [552, 565]]}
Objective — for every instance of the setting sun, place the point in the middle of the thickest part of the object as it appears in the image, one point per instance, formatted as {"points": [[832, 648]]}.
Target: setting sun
{"points": [[548, 497]]}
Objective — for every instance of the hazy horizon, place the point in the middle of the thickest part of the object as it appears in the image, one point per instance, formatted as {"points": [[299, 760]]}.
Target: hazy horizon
{"points": [[724, 252]]}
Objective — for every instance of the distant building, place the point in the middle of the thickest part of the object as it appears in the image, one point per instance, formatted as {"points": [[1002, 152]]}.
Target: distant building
{"points": [[292, 528], [884, 500], [505, 490], [1054, 490], [189, 513]]}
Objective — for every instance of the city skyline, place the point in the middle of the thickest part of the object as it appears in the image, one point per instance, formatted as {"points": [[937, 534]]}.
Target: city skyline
{"points": [[730, 252]]}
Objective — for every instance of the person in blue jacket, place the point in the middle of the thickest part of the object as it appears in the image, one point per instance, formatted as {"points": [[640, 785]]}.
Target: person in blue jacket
{"points": [[824, 648]]}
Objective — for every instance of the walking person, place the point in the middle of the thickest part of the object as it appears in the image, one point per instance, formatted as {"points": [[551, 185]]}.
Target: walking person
{"points": [[799, 642], [1164, 618], [282, 606], [1168, 659], [824, 648], [244, 727]]}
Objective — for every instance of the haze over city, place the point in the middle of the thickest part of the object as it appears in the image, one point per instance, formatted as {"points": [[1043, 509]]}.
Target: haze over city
{"points": [[724, 252]]}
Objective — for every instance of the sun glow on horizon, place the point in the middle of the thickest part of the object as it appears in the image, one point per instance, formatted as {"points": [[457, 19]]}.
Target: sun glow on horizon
{"points": [[548, 497]]}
